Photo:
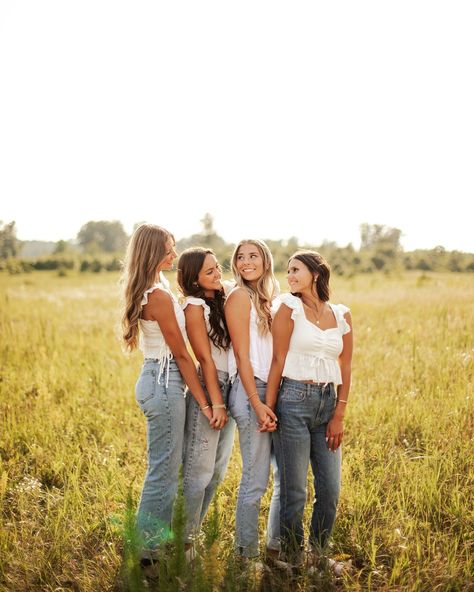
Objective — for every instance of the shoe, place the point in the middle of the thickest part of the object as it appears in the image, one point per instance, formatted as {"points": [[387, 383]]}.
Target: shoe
{"points": [[150, 568]]}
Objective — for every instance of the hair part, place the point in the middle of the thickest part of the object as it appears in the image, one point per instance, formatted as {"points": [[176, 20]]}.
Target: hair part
{"points": [[318, 266], [145, 251], [189, 266], [266, 287]]}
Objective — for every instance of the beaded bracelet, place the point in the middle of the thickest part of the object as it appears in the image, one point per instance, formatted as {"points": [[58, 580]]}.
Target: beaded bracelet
{"points": [[341, 400], [205, 407], [220, 406]]}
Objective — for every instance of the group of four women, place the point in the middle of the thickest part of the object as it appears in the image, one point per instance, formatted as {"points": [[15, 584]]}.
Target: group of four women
{"points": [[278, 367]]}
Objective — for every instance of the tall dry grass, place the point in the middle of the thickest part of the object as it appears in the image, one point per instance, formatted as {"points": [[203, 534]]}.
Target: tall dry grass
{"points": [[72, 442]]}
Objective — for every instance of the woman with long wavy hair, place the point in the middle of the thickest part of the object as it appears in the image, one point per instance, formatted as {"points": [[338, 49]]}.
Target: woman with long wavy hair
{"points": [[207, 446], [154, 321], [248, 312]]}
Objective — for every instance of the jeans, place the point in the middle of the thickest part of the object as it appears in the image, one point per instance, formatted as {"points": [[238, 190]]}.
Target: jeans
{"points": [[206, 456], [255, 448], [165, 410], [304, 411]]}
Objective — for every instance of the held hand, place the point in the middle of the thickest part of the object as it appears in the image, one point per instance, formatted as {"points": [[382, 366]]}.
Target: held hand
{"points": [[335, 433], [266, 418], [219, 418], [207, 413]]}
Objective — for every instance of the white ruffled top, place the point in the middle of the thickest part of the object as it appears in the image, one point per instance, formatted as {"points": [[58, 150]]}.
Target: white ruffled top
{"points": [[151, 341], [219, 356], [313, 353]]}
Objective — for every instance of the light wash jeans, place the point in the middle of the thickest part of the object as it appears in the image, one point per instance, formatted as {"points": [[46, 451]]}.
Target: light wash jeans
{"points": [[206, 456], [304, 411], [255, 448], [165, 410]]}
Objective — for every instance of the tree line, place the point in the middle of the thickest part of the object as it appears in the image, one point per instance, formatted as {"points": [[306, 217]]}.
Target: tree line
{"points": [[100, 245]]}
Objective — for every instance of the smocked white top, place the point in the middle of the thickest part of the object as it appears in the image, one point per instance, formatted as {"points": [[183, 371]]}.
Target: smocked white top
{"points": [[151, 340], [313, 353], [220, 356], [261, 347]]}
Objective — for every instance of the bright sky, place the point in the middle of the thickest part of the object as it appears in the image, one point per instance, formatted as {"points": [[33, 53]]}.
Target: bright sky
{"points": [[281, 119]]}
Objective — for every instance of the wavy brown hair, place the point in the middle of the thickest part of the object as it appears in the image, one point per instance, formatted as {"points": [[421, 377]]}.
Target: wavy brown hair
{"points": [[266, 288], [146, 249], [318, 266], [189, 266]]}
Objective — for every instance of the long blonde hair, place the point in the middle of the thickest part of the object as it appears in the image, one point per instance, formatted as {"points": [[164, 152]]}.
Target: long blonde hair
{"points": [[266, 288], [146, 249]]}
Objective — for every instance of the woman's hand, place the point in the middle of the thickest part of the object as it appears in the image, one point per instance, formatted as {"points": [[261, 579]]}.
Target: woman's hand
{"points": [[335, 433], [207, 412], [266, 418], [219, 418]]}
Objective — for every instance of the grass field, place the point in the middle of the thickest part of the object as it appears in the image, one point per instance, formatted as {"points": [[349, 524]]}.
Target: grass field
{"points": [[72, 440]]}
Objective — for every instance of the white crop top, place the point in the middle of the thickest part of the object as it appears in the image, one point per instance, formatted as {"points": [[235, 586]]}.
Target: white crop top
{"points": [[313, 352], [151, 340], [261, 347], [220, 356]]}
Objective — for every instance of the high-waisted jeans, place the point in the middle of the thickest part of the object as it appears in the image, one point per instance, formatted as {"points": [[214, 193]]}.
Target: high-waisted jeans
{"points": [[255, 448], [206, 456], [304, 411], [165, 409]]}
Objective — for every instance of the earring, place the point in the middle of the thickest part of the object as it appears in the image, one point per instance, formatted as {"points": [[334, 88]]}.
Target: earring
{"points": [[195, 284]]}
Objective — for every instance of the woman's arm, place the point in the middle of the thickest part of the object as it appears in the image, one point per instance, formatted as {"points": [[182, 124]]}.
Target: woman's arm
{"points": [[282, 328], [199, 340], [160, 308], [335, 428], [237, 314]]}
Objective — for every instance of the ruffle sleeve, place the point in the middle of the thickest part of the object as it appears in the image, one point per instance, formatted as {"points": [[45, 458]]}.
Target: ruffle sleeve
{"points": [[147, 292], [294, 303], [341, 310], [196, 302]]}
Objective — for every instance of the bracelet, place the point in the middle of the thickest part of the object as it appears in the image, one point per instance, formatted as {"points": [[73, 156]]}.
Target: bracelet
{"points": [[251, 396], [220, 406], [205, 407], [341, 400]]}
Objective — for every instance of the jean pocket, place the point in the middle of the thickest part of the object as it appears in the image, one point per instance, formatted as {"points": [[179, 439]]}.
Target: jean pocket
{"points": [[292, 395], [145, 387]]}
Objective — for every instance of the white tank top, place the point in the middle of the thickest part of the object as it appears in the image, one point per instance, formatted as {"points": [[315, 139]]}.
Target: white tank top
{"points": [[313, 353], [261, 347]]}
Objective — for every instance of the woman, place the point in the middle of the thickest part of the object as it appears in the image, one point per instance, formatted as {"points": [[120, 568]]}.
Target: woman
{"points": [[312, 351], [207, 445], [153, 320], [248, 315]]}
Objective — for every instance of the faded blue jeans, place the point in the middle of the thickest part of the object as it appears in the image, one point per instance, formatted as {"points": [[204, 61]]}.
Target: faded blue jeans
{"points": [[165, 410], [206, 456], [255, 448], [304, 411]]}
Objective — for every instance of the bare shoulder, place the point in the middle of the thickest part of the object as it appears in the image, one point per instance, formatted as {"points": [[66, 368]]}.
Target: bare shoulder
{"points": [[159, 296], [238, 296]]}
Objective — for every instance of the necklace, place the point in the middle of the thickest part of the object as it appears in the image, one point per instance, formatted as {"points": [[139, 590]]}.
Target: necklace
{"points": [[314, 311]]}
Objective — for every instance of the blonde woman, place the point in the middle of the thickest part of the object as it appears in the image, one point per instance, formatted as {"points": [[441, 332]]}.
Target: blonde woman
{"points": [[249, 318], [154, 321]]}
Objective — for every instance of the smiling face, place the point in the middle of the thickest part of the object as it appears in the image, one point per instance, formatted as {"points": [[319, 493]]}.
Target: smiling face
{"points": [[300, 278], [209, 277], [249, 262], [167, 262]]}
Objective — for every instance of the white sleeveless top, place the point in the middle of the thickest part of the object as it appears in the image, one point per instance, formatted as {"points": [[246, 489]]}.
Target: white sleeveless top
{"points": [[220, 356], [313, 353], [151, 340], [261, 347]]}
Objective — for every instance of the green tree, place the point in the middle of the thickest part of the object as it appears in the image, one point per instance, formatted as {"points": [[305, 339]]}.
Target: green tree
{"points": [[104, 235], [9, 244]]}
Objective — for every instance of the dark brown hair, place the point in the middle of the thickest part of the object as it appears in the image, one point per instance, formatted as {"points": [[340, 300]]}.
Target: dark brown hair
{"points": [[319, 267], [189, 265]]}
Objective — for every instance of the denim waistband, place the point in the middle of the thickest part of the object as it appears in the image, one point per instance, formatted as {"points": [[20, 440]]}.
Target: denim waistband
{"points": [[291, 382]]}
